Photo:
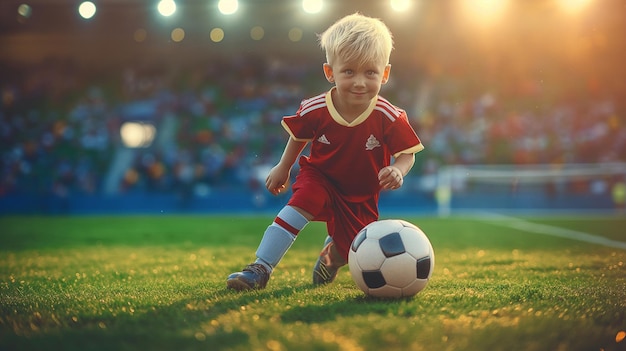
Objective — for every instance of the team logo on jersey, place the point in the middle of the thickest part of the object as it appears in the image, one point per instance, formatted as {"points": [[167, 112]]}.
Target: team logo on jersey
{"points": [[372, 143], [323, 139]]}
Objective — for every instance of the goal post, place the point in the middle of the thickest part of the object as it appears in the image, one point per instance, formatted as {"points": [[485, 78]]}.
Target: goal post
{"points": [[537, 186]]}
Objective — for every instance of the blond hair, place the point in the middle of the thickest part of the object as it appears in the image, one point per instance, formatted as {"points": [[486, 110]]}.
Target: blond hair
{"points": [[357, 38]]}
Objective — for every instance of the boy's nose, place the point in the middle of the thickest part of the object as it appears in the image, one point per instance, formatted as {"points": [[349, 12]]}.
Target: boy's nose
{"points": [[359, 81]]}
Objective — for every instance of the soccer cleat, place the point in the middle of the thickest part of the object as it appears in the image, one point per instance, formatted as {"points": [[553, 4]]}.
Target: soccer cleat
{"points": [[327, 266], [254, 276]]}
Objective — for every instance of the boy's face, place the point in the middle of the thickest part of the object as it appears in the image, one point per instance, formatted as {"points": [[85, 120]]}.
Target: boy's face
{"points": [[357, 84]]}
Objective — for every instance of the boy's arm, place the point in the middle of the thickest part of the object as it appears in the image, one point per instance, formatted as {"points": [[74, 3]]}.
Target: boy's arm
{"points": [[291, 152], [404, 162], [279, 175], [392, 177]]}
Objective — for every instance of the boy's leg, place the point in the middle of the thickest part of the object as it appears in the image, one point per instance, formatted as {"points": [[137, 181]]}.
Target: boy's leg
{"points": [[347, 220], [277, 239], [328, 263]]}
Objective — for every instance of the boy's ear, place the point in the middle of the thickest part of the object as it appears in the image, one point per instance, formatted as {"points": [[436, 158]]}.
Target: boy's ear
{"points": [[328, 72], [386, 74]]}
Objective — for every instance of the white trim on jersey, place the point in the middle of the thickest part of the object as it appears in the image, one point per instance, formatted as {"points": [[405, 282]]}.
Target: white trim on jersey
{"points": [[318, 96], [313, 103], [312, 108], [387, 108]]}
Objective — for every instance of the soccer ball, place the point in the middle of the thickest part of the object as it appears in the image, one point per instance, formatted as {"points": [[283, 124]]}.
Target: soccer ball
{"points": [[391, 258]]}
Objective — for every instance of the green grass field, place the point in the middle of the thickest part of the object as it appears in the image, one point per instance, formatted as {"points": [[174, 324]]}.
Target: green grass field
{"points": [[158, 283]]}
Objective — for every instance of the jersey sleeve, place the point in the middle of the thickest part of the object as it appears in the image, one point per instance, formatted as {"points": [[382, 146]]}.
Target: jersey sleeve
{"points": [[401, 137], [298, 127], [302, 125]]}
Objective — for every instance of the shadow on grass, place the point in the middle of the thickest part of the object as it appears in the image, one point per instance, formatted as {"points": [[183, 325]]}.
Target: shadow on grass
{"points": [[177, 326], [332, 309], [187, 324]]}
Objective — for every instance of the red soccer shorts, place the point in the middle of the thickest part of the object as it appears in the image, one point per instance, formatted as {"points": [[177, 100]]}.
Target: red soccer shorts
{"points": [[315, 194]]}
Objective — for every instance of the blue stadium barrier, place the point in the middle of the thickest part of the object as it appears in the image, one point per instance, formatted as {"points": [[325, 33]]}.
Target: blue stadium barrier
{"points": [[246, 202]]}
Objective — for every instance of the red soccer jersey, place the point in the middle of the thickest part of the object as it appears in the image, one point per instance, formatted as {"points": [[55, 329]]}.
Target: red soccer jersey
{"points": [[350, 155]]}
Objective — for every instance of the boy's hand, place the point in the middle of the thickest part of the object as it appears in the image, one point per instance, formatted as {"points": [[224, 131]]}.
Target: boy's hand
{"points": [[277, 180], [390, 177]]}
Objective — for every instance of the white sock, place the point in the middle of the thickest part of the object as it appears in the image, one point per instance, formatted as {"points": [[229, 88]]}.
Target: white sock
{"points": [[279, 237]]}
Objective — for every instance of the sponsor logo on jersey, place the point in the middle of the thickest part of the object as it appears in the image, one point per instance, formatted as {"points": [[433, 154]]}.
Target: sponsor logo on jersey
{"points": [[323, 139], [372, 143]]}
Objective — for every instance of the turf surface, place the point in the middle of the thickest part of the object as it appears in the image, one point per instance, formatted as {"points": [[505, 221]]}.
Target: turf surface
{"points": [[158, 283]]}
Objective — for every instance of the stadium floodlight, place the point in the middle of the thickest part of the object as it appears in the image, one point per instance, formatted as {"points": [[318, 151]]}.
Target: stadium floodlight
{"points": [[295, 34], [137, 134], [228, 7], [24, 10], [573, 6], [177, 35], [257, 33], [166, 7], [312, 6], [87, 9], [484, 11], [400, 5], [217, 35], [140, 35]]}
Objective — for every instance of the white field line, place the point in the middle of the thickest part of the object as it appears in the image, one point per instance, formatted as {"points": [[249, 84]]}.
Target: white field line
{"points": [[516, 223]]}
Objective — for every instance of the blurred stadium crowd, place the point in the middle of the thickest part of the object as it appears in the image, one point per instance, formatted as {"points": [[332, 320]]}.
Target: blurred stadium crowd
{"points": [[218, 124]]}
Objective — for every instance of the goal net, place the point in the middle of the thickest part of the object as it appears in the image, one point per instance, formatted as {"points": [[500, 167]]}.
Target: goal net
{"points": [[597, 186]]}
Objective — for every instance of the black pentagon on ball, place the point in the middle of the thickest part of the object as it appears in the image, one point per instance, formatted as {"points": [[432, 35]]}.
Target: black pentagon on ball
{"points": [[360, 237], [423, 268], [392, 245], [374, 279]]}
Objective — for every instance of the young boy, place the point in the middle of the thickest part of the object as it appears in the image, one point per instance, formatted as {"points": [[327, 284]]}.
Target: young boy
{"points": [[353, 134]]}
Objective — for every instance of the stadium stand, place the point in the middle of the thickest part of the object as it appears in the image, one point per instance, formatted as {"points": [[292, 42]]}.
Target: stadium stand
{"points": [[215, 131]]}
